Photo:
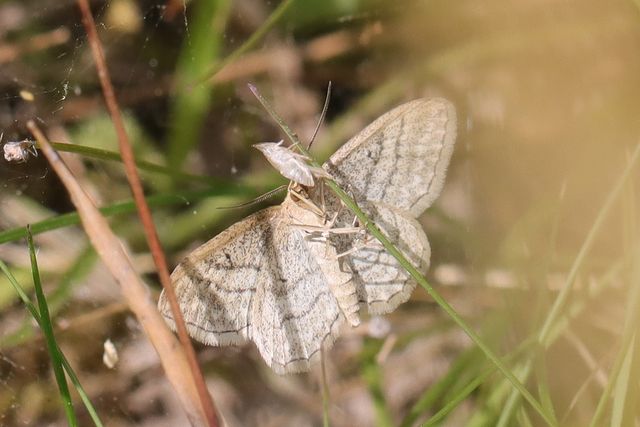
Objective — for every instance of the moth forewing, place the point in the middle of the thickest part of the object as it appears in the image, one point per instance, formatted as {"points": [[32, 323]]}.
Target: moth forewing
{"points": [[401, 158]]}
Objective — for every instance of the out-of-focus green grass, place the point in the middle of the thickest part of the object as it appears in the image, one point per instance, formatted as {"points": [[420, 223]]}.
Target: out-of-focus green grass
{"points": [[192, 102]]}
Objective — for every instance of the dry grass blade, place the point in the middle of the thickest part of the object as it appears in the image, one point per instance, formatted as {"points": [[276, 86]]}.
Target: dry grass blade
{"points": [[107, 245], [205, 399]]}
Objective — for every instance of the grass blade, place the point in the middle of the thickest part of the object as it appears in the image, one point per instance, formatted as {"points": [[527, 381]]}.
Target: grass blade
{"points": [[67, 366], [436, 392], [57, 298], [101, 154], [200, 48], [621, 390], [126, 207], [632, 319], [47, 329], [249, 43]]}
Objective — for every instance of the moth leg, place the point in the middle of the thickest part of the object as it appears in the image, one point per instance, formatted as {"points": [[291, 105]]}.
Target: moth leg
{"points": [[322, 200], [307, 202], [368, 242]]}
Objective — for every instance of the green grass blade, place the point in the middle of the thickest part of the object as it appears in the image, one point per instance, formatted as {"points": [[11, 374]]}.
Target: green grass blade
{"points": [[80, 268], [326, 398], [458, 398], [177, 198], [523, 418], [81, 392], [436, 392], [200, 48], [543, 386], [256, 36], [72, 375], [632, 319], [58, 297], [20, 291], [47, 329], [101, 154], [513, 402], [606, 394], [621, 389], [586, 247]]}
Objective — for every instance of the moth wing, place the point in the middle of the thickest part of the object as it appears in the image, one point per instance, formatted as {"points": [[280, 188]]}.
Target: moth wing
{"points": [[215, 284], [401, 158], [384, 283], [395, 169], [295, 313], [258, 280]]}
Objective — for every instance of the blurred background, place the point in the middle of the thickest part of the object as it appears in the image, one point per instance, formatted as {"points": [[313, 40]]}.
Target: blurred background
{"points": [[548, 119]]}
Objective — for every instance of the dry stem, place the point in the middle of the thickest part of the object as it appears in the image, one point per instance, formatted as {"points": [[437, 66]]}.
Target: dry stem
{"points": [[133, 289], [144, 212]]}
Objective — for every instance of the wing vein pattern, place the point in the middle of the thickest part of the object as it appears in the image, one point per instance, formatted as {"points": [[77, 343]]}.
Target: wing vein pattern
{"points": [[394, 169]]}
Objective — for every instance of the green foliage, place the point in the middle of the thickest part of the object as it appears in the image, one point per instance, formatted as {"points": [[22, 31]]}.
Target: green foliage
{"points": [[201, 47]]}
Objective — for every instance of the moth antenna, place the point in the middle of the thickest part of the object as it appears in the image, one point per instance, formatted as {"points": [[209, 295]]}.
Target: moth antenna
{"points": [[258, 199], [322, 115]]}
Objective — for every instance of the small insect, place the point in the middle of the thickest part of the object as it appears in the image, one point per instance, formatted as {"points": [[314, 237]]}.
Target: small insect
{"points": [[110, 355], [27, 95], [290, 164], [19, 151]]}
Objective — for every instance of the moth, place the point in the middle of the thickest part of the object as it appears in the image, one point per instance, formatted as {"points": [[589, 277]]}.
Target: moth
{"points": [[268, 280]]}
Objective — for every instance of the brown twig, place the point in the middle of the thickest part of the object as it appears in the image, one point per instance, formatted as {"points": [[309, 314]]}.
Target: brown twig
{"points": [[135, 292], [144, 212]]}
